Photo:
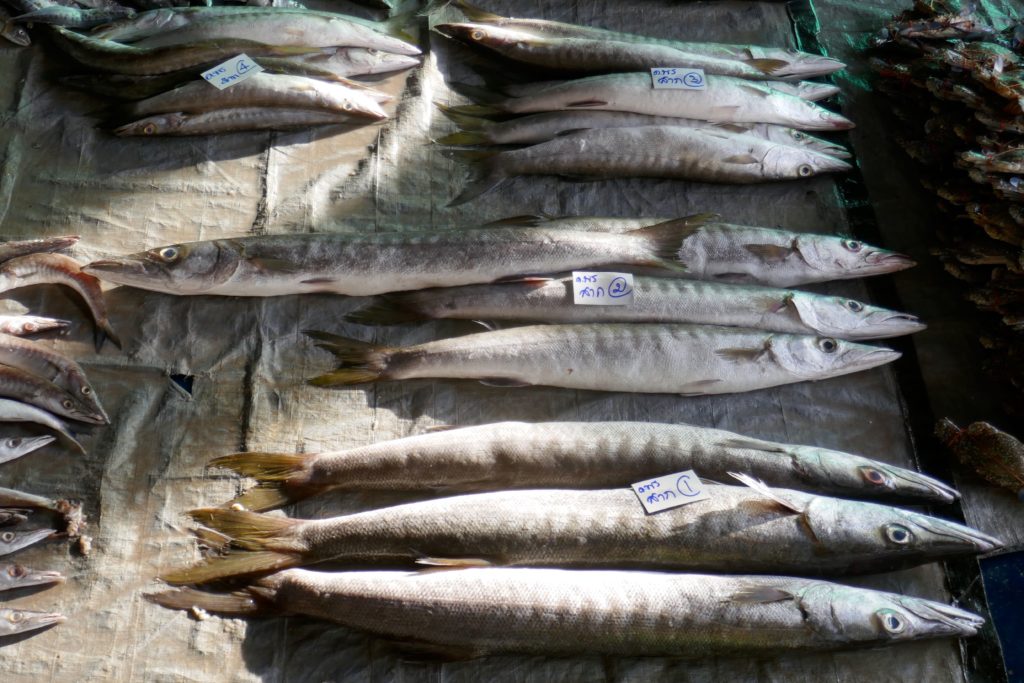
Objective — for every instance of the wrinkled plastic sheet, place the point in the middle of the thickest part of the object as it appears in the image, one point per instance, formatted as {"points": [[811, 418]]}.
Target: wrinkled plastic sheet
{"points": [[246, 361]]}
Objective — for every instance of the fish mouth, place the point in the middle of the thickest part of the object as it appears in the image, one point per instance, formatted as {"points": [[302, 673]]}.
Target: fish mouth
{"points": [[395, 62], [889, 324], [830, 164], [944, 618], [960, 535], [941, 492], [35, 443], [837, 151], [34, 621], [833, 121], [117, 266], [890, 260], [30, 538], [38, 577], [809, 68], [873, 356]]}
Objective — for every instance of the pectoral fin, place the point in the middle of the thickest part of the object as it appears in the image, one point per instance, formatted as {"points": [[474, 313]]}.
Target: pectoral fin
{"points": [[741, 159], [772, 253], [454, 562], [761, 594], [586, 103]]}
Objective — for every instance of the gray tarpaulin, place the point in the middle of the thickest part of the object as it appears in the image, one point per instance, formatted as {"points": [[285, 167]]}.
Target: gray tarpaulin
{"points": [[247, 360]]}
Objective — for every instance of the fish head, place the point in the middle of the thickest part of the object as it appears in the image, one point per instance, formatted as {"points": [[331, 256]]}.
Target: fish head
{"points": [[79, 387], [798, 138], [861, 477], [484, 34], [372, 61], [879, 537], [841, 258], [787, 162], [17, 446], [17, 35], [79, 408], [161, 124], [13, 541], [14, 621], [819, 118], [821, 357], [17, 576], [860, 616], [814, 91], [188, 268], [805, 65], [851, 319]]}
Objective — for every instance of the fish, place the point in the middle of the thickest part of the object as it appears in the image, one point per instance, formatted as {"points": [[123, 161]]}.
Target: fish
{"points": [[13, 447], [998, 457], [357, 61], [38, 269], [586, 455], [16, 576], [14, 621], [267, 90], [16, 411], [736, 530], [563, 611], [361, 265], [231, 120], [716, 251], [74, 519], [695, 154], [107, 55], [13, 248], [74, 17], [724, 100], [785, 62], [24, 386], [22, 325], [534, 128], [268, 25], [52, 366], [12, 540], [691, 360], [664, 300]]}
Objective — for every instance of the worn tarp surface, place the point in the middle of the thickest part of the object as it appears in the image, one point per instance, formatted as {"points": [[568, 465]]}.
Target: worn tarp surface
{"points": [[245, 362]]}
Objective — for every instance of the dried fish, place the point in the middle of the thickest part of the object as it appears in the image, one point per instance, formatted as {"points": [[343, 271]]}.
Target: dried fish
{"points": [[230, 120], [22, 325], [995, 455]]}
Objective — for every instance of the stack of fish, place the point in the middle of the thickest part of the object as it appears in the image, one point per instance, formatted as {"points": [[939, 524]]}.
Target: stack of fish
{"points": [[688, 347], [578, 570], [958, 87], [156, 58], [744, 126]]}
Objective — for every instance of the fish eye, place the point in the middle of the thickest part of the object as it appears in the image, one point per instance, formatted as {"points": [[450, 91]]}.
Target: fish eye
{"points": [[169, 254], [347, 106], [13, 443], [86, 391], [874, 476], [828, 345], [7, 537], [68, 403], [371, 51], [797, 135], [852, 245], [149, 128], [805, 170], [16, 616], [854, 306], [16, 570], [30, 327], [899, 534], [892, 621], [477, 34]]}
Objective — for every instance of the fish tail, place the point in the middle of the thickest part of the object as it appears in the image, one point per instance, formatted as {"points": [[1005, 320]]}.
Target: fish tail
{"points": [[388, 310], [464, 137], [233, 564], [360, 362], [240, 603], [666, 239], [463, 121], [280, 477], [250, 530], [485, 178], [103, 332], [476, 110], [268, 495]]}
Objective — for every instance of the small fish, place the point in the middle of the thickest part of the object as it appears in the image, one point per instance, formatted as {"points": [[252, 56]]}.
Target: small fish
{"points": [[38, 269], [73, 17], [16, 576], [586, 455], [13, 447], [736, 530], [54, 367], [682, 359], [13, 248], [995, 455], [14, 621], [231, 120], [24, 386], [16, 411], [11, 31], [558, 611], [11, 541], [21, 325]]}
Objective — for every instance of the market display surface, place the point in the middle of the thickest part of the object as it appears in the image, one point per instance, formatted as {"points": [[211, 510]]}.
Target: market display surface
{"points": [[270, 280]]}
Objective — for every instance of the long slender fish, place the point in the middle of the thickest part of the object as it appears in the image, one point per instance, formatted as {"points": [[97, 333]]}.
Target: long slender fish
{"points": [[16, 576], [475, 612], [74, 17], [797, 64], [266, 90], [737, 530], [360, 265], [696, 154], [16, 411], [233, 120], [22, 325], [52, 366], [811, 91], [357, 61], [41, 269], [13, 447], [268, 25], [12, 540], [534, 128], [691, 360], [725, 100], [13, 248], [664, 300], [14, 621], [723, 252], [24, 386]]}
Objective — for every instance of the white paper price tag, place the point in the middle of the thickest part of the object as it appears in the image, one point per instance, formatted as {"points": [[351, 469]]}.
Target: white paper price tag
{"points": [[233, 71], [670, 491], [602, 289], [678, 78]]}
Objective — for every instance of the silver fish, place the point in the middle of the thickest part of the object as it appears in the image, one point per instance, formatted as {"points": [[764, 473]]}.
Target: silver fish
{"points": [[14, 621], [13, 447], [16, 576], [11, 541], [737, 530], [557, 611], [231, 120], [24, 386], [50, 365], [16, 411], [22, 325], [725, 100], [653, 300], [696, 154], [73, 17], [357, 61], [534, 128], [691, 360], [587, 455], [360, 265]]}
